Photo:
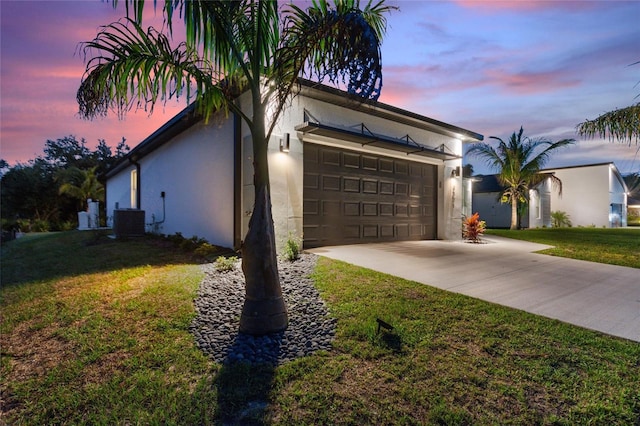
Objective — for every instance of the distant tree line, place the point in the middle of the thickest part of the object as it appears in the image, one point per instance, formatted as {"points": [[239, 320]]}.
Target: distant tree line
{"points": [[46, 193]]}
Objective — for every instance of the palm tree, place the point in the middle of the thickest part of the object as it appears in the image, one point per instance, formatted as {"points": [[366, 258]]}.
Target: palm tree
{"points": [[519, 162], [88, 187], [233, 47]]}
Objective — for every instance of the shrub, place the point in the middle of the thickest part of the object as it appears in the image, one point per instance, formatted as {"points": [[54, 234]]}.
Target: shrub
{"points": [[224, 264], [291, 249], [560, 219], [206, 250], [473, 228]]}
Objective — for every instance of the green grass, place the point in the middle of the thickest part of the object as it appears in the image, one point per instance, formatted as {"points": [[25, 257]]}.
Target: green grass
{"points": [[618, 246], [100, 336]]}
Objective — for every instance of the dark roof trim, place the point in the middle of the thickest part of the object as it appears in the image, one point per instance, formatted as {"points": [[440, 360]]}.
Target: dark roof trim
{"points": [[406, 146], [338, 97], [578, 166], [178, 124]]}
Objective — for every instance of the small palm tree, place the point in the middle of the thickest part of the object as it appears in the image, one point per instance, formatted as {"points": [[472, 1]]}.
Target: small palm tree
{"points": [[84, 186], [518, 162], [233, 47]]}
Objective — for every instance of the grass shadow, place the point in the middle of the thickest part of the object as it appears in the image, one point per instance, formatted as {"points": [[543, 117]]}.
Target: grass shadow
{"points": [[244, 387], [49, 256]]}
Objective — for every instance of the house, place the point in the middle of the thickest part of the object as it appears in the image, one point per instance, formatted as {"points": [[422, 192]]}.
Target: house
{"points": [[343, 170], [592, 195]]}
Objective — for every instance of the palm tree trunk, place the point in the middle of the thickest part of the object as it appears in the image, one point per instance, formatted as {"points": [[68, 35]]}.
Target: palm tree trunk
{"points": [[264, 310], [514, 213]]}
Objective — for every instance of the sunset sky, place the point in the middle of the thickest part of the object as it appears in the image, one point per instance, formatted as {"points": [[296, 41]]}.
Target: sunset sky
{"points": [[486, 66]]}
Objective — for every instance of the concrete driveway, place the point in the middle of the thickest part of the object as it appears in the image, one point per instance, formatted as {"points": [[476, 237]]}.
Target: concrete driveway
{"points": [[504, 271]]}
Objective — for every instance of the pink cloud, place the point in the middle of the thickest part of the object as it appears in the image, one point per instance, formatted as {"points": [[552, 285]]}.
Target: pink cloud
{"points": [[524, 5], [531, 82]]}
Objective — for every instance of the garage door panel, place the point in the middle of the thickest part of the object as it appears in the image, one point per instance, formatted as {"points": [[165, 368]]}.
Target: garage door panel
{"points": [[331, 183], [351, 209], [330, 157], [311, 180], [350, 184], [369, 163], [352, 197], [351, 160], [369, 186], [385, 165], [331, 208]]}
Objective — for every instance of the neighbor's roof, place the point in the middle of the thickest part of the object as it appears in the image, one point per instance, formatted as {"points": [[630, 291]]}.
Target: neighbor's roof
{"points": [[188, 117]]}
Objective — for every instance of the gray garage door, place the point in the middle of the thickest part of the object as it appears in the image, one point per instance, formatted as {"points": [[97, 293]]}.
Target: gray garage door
{"points": [[351, 198]]}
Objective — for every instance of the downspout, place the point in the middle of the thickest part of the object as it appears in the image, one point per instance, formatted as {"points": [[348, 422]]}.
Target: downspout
{"points": [[237, 182], [138, 180]]}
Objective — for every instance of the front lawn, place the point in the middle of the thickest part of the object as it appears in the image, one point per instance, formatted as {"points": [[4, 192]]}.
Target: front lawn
{"points": [[95, 331], [618, 246]]}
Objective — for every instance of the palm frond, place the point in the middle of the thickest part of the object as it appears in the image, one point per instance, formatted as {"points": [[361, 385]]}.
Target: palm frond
{"points": [[341, 44], [621, 124], [137, 68]]}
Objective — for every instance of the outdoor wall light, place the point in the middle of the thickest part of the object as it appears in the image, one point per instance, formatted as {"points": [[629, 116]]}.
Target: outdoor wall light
{"points": [[284, 143], [455, 172]]}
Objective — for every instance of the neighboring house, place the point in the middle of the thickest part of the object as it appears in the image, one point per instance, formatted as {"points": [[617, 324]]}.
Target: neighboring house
{"points": [[592, 195], [342, 170]]}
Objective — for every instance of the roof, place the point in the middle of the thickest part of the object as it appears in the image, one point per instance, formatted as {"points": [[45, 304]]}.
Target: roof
{"points": [[487, 183], [188, 117]]}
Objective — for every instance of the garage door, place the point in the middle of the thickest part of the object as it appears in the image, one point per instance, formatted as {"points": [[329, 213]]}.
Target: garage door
{"points": [[351, 198]]}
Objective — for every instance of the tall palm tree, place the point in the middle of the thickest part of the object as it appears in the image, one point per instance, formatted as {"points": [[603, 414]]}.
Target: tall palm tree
{"points": [[232, 47], [519, 161]]}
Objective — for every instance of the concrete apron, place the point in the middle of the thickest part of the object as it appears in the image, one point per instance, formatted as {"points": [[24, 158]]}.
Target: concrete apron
{"points": [[601, 297]]}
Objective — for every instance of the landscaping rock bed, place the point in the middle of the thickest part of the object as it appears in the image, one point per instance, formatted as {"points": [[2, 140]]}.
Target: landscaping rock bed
{"points": [[219, 304]]}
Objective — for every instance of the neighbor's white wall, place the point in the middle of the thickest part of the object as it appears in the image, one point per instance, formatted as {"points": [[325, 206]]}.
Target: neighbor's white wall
{"points": [[539, 206], [617, 195], [585, 195], [491, 210]]}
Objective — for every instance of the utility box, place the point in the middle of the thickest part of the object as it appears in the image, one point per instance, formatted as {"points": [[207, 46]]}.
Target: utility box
{"points": [[128, 223]]}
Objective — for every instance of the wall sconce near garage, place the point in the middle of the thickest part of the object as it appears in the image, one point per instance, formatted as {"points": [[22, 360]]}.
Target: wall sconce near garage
{"points": [[455, 172], [285, 143]]}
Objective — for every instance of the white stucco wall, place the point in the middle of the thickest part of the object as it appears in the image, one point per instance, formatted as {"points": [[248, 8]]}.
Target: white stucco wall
{"points": [[287, 169], [195, 171], [540, 206], [587, 194], [491, 210]]}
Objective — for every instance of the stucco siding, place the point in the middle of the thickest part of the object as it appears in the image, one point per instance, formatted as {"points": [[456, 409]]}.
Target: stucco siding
{"points": [[288, 171], [195, 172], [118, 192], [585, 195]]}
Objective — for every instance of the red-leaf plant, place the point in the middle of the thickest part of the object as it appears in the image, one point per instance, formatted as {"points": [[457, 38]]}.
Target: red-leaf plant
{"points": [[473, 228]]}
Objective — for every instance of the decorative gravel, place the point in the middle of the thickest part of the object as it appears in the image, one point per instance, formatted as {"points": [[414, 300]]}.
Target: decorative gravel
{"points": [[219, 305]]}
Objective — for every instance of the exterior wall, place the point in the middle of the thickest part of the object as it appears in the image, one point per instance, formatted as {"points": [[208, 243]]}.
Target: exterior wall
{"points": [[587, 195], [540, 206], [491, 210], [618, 199], [118, 192], [195, 171], [286, 170]]}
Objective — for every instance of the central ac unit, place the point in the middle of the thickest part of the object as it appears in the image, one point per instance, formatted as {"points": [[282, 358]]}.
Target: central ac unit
{"points": [[128, 223]]}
